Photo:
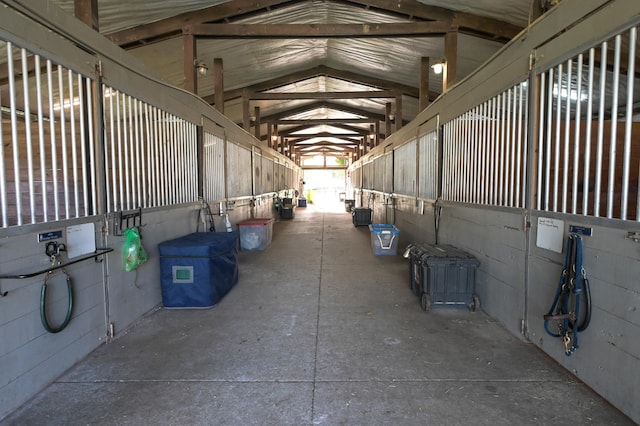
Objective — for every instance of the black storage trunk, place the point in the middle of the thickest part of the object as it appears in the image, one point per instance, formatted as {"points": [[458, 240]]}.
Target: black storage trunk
{"points": [[443, 275], [199, 269], [287, 212], [361, 216]]}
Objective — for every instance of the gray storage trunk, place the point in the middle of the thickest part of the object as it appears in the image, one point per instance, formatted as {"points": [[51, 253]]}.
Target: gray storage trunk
{"points": [[443, 275]]}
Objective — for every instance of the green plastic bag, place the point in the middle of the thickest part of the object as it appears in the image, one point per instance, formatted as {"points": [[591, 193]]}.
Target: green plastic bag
{"points": [[133, 253]]}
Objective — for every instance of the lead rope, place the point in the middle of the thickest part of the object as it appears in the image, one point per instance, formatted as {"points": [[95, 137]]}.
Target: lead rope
{"points": [[565, 309], [43, 301]]}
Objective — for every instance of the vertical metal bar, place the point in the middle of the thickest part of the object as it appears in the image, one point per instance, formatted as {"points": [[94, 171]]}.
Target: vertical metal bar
{"points": [[556, 162], [74, 148], [158, 143], [478, 148], [628, 122], [93, 183], [54, 144], [112, 192], [548, 156], [445, 159], [494, 152], [576, 143], [467, 158], [588, 125], [501, 148], [83, 141], [3, 177], [130, 157], [28, 139], [485, 149], [138, 166], [126, 147], [512, 145], [567, 129], [146, 154], [527, 87], [518, 166], [123, 169], [152, 157], [14, 133], [601, 116], [613, 142], [164, 139], [63, 140], [541, 152]]}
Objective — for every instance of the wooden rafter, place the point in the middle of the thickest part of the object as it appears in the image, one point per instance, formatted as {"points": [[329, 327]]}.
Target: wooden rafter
{"points": [[172, 27], [271, 31]]}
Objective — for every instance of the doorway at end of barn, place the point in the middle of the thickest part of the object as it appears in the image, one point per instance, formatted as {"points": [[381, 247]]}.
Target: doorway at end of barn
{"points": [[325, 189]]}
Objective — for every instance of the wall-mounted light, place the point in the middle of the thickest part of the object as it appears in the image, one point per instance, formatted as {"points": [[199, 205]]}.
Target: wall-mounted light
{"points": [[201, 67], [392, 117], [274, 138], [372, 136], [438, 66]]}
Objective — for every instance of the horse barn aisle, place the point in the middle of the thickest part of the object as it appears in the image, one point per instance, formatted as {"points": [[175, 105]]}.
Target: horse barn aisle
{"points": [[317, 331]]}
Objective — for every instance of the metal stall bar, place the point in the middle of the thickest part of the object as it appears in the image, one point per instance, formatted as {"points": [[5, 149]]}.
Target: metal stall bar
{"points": [[576, 143], [493, 180], [601, 116], [63, 142], [628, 121], [518, 166], [3, 178], [83, 142], [74, 156], [54, 144], [28, 140], [587, 148], [14, 132], [126, 148], [614, 126], [41, 140], [93, 182], [508, 154], [148, 171], [137, 164], [567, 128], [541, 130], [558, 108], [501, 149], [547, 151]]}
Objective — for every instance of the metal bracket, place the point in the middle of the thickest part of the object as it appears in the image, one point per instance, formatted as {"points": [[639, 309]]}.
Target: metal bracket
{"points": [[125, 220]]}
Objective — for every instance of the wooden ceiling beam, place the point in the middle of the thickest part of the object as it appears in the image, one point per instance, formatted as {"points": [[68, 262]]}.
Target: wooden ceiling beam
{"points": [[285, 96], [322, 70], [172, 27], [273, 31], [468, 23]]}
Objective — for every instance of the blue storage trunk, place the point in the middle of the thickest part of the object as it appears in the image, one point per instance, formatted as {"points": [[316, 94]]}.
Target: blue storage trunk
{"points": [[384, 239], [199, 269]]}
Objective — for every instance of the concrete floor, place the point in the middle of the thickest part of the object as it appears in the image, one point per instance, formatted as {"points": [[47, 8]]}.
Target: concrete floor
{"points": [[317, 331]]}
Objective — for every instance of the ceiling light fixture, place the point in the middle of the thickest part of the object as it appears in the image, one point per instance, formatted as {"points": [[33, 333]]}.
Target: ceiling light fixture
{"points": [[201, 67], [438, 66]]}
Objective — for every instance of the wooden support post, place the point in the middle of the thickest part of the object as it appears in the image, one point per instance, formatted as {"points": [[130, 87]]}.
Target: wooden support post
{"points": [[246, 121], [399, 112], [387, 120], [87, 12], [190, 52], [450, 72], [256, 122], [425, 65], [218, 84]]}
